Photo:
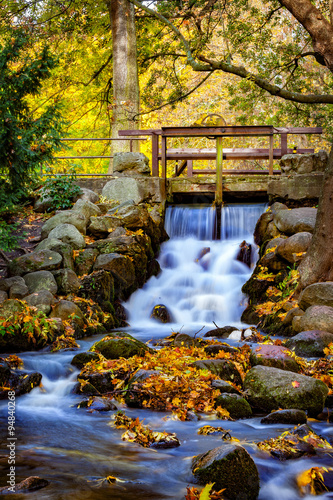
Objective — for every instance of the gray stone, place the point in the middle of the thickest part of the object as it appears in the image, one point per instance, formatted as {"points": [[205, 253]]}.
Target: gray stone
{"points": [[320, 294], [270, 389], [18, 291], [120, 267], [295, 244], [274, 243], [236, 405], [224, 386], [114, 210], [315, 318], [220, 333], [43, 203], [88, 195], [102, 226], [230, 468], [290, 417], [87, 209], [296, 220], [120, 345], [273, 355], [298, 188], [84, 262], [68, 311], [60, 247], [41, 280], [6, 283], [131, 163], [74, 218], [303, 163], [40, 260], [81, 359], [3, 296], [42, 300], [148, 189], [67, 281], [311, 343], [224, 368], [68, 234]]}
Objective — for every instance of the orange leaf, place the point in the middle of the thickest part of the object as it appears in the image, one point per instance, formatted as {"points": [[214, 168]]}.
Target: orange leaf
{"points": [[295, 384]]}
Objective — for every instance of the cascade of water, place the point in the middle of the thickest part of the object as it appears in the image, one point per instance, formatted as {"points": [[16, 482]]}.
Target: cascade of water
{"points": [[201, 278]]}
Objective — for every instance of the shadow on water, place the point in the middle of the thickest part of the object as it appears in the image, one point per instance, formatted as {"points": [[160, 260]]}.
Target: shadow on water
{"points": [[76, 450]]}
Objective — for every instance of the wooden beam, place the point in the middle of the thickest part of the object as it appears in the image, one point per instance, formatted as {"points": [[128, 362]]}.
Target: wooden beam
{"points": [[164, 158], [217, 131], [271, 146], [154, 155], [219, 171], [284, 144], [228, 154], [189, 168], [235, 172]]}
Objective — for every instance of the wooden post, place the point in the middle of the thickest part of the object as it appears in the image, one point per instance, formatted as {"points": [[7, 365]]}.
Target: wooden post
{"points": [[190, 168], [164, 159], [219, 171], [154, 155], [284, 144], [271, 145]]}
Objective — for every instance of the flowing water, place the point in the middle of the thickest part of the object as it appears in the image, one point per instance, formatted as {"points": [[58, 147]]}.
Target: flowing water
{"points": [[74, 450]]}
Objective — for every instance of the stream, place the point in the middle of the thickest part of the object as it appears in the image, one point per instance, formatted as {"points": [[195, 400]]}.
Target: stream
{"points": [[75, 450]]}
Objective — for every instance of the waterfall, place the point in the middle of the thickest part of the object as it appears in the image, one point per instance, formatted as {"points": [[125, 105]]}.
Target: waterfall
{"points": [[201, 278]]}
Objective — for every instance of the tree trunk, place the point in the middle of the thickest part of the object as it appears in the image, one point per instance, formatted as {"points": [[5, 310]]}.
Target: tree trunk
{"points": [[318, 263], [125, 73]]}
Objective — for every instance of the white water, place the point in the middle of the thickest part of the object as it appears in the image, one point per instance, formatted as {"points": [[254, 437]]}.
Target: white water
{"points": [[199, 291]]}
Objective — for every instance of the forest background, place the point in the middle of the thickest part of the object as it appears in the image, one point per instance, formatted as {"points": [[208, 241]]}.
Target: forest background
{"points": [[258, 34]]}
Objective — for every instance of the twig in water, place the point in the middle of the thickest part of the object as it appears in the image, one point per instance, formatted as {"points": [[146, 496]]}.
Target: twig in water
{"points": [[216, 324], [196, 333]]}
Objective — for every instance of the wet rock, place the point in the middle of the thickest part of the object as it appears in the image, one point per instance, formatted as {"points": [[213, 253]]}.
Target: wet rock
{"points": [[296, 244], [134, 397], [87, 209], [231, 468], [275, 356], [289, 417], [315, 318], [18, 291], [270, 389], [296, 220], [97, 404], [120, 345], [68, 234], [153, 268], [161, 314], [3, 296], [83, 358], [99, 287], [216, 348], [41, 280], [121, 269], [68, 311], [65, 217], [32, 483], [64, 249], [184, 340], [236, 405], [67, 281], [220, 333], [261, 227], [42, 300], [84, 262], [224, 368], [272, 261], [311, 343], [19, 381], [244, 254], [131, 164], [41, 260], [320, 294], [224, 387]]}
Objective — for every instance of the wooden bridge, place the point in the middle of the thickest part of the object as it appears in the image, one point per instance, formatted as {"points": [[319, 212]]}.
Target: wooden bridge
{"points": [[186, 156]]}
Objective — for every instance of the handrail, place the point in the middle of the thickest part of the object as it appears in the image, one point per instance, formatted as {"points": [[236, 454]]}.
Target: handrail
{"points": [[131, 139]]}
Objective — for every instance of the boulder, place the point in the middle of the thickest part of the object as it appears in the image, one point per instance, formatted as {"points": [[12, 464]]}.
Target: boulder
{"points": [[87, 209], [311, 343], [134, 397], [120, 345], [261, 227], [18, 381], [160, 313], [99, 287], [296, 220], [68, 311], [224, 387], [123, 189], [130, 164], [88, 195], [102, 226], [40, 260], [272, 261], [67, 281], [275, 356], [42, 300], [68, 234], [3, 296], [230, 468], [6, 283], [223, 368], [289, 417], [296, 244], [320, 294], [270, 389], [85, 260], [184, 340], [31, 483], [303, 163], [212, 350], [220, 333], [314, 318], [18, 291], [83, 358], [74, 218], [64, 249], [98, 404], [41, 280], [120, 267], [113, 210], [236, 405]]}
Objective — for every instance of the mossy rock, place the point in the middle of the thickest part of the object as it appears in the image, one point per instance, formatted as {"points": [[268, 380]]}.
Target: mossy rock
{"points": [[236, 405], [81, 359], [120, 345], [231, 468], [224, 368]]}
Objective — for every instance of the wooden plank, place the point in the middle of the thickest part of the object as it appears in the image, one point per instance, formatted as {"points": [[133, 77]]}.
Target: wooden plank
{"points": [[298, 130], [217, 131], [236, 172], [284, 144], [164, 158], [271, 152], [219, 170], [230, 154], [136, 133], [276, 130], [154, 155], [189, 168]]}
